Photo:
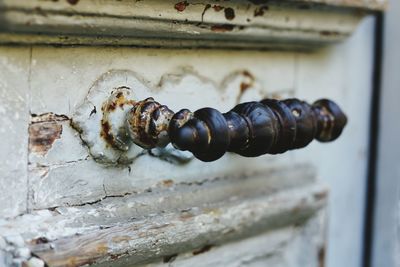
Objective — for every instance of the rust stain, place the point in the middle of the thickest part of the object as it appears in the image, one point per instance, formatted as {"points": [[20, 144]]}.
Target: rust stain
{"points": [[43, 135], [202, 250], [222, 28], [102, 248], [248, 74], [229, 13], [119, 239], [185, 215], [105, 132], [48, 117], [119, 101], [245, 85], [218, 8], [168, 183], [181, 6], [260, 11]]}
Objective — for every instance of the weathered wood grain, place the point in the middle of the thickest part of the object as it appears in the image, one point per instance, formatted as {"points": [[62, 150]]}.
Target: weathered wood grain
{"points": [[281, 247], [173, 233], [235, 24]]}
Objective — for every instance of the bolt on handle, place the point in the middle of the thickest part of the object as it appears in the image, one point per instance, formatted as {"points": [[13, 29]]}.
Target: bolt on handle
{"points": [[250, 129]]}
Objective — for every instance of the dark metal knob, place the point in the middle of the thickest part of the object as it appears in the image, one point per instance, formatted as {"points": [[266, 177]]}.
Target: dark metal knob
{"points": [[250, 129]]}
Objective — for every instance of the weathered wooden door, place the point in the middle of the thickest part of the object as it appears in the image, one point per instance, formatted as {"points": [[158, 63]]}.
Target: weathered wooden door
{"points": [[68, 198]]}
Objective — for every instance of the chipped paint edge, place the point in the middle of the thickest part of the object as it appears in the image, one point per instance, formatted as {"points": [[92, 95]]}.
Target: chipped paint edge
{"points": [[35, 23]]}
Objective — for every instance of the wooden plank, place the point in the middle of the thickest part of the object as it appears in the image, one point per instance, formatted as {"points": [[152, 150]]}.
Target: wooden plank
{"points": [[173, 233], [14, 111], [281, 247], [236, 24], [173, 219]]}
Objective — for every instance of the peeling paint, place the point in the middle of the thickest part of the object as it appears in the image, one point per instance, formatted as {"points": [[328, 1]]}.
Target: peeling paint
{"points": [[229, 13], [43, 135], [181, 6], [218, 8], [44, 130], [259, 11]]}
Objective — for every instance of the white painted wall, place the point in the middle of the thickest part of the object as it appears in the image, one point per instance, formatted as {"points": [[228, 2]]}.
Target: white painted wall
{"points": [[386, 235], [343, 73]]}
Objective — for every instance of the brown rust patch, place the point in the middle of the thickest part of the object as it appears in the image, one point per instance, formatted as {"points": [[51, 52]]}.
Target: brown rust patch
{"points": [[119, 239], [43, 135], [229, 13], [186, 215], [102, 248], [168, 183], [245, 85], [105, 132], [181, 6], [218, 8], [119, 101], [260, 11], [222, 28], [248, 74], [202, 250]]}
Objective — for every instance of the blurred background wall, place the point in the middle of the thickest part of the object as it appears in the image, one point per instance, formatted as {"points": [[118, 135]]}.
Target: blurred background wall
{"points": [[385, 223]]}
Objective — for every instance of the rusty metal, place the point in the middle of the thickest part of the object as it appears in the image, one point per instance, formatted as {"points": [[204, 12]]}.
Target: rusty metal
{"points": [[250, 129], [147, 123], [112, 122]]}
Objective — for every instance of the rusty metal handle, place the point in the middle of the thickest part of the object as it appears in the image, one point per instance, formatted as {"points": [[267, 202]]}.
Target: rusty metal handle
{"points": [[250, 129]]}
